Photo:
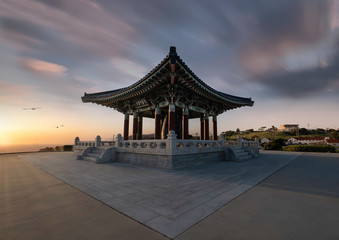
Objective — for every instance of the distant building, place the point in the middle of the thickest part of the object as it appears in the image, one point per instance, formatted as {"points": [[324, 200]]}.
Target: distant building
{"points": [[289, 127], [333, 142], [307, 141]]}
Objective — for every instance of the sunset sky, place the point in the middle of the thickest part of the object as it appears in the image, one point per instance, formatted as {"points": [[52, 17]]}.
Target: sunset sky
{"points": [[282, 53]]}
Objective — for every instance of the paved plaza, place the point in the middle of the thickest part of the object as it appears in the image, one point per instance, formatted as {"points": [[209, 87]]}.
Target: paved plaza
{"points": [[300, 201], [168, 201]]}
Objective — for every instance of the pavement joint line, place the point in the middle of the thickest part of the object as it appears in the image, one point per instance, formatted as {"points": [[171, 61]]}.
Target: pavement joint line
{"points": [[93, 197], [252, 172], [240, 195]]}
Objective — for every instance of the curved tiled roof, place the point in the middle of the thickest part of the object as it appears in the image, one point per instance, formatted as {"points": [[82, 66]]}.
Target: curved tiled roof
{"points": [[155, 78]]}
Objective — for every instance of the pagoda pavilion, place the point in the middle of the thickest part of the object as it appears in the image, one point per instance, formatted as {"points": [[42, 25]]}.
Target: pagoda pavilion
{"points": [[171, 94]]}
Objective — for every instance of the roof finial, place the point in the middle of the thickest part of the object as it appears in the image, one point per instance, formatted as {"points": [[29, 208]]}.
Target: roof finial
{"points": [[173, 49]]}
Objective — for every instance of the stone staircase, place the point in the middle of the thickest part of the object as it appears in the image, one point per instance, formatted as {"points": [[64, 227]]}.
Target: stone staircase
{"points": [[97, 154], [93, 154], [236, 153]]}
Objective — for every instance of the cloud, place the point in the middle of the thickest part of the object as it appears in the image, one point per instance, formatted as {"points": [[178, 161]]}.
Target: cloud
{"points": [[293, 56], [241, 43], [79, 29], [39, 66], [335, 15], [8, 90], [135, 70]]}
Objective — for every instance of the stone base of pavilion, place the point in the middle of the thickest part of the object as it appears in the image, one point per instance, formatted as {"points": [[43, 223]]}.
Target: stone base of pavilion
{"points": [[170, 153]]}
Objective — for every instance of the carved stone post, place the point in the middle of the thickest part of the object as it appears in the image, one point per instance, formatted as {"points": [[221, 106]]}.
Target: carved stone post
{"points": [[126, 126], [119, 139], [172, 144], [171, 115], [135, 125], [239, 141], [98, 141], [256, 140], [215, 131], [157, 130], [140, 127], [76, 141], [202, 127], [206, 125], [185, 123]]}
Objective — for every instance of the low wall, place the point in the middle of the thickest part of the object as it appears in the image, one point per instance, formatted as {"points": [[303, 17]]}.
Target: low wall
{"points": [[169, 161]]}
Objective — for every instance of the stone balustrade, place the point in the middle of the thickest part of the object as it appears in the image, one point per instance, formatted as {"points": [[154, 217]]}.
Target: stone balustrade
{"points": [[231, 143], [106, 143], [254, 143], [169, 146], [85, 144], [167, 153], [96, 143]]}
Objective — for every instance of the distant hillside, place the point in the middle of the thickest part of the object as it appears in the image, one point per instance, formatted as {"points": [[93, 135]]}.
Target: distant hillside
{"points": [[277, 134]]}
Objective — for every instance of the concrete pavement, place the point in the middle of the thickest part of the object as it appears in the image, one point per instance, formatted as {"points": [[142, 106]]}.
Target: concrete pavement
{"points": [[168, 201], [300, 201], [36, 205]]}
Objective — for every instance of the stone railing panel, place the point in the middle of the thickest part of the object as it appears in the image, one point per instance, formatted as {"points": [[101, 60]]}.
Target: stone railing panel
{"points": [[169, 146]]}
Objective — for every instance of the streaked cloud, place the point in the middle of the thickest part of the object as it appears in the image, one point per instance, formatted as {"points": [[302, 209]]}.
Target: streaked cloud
{"points": [[39, 66], [73, 28], [132, 69]]}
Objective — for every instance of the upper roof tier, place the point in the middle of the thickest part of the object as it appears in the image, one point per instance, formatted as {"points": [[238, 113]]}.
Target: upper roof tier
{"points": [[171, 81]]}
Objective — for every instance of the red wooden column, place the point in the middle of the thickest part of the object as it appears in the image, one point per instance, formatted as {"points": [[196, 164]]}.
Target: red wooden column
{"points": [[171, 106], [139, 127], [215, 131], [126, 126], [171, 117], [206, 125], [157, 118], [185, 123], [135, 125], [202, 127]]}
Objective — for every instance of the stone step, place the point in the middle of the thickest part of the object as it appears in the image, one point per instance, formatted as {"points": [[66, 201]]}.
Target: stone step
{"points": [[242, 158], [98, 150], [94, 155], [239, 151], [236, 148], [242, 153], [91, 159]]}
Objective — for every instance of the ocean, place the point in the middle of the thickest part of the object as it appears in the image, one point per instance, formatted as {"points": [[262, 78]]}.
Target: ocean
{"points": [[25, 147]]}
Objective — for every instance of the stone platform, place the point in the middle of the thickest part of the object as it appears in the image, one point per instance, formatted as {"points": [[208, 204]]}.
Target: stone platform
{"points": [[168, 201], [169, 153]]}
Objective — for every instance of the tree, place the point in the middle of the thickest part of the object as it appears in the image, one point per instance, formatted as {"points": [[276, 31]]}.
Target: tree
{"points": [[277, 144], [254, 137], [329, 130], [303, 131], [228, 134], [261, 129], [320, 130], [238, 130], [334, 135]]}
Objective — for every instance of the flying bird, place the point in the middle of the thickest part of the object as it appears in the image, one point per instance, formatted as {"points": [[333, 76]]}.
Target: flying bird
{"points": [[33, 108], [59, 126]]}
